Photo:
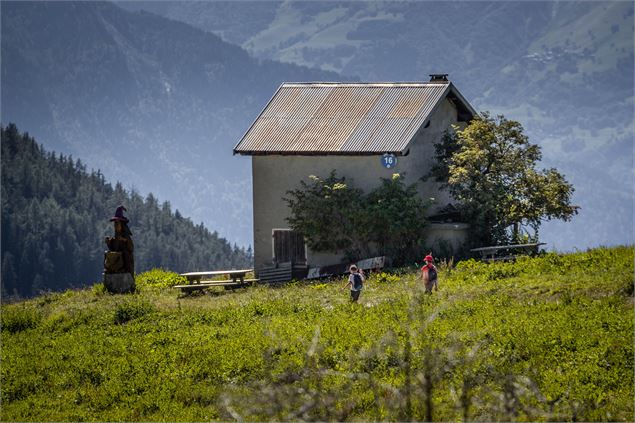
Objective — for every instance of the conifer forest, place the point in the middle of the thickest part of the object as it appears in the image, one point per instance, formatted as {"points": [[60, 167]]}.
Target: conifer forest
{"points": [[55, 215]]}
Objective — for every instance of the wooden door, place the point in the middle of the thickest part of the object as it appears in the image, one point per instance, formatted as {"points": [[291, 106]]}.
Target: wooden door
{"points": [[288, 246]]}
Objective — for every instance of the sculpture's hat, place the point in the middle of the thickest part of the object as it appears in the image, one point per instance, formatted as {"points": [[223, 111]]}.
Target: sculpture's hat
{"points": [[119, 215]]}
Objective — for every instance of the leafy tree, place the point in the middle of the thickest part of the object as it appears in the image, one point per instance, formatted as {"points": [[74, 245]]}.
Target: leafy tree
{"points": [[336, 217], [325, 212], [395, 219], [490, 169]]}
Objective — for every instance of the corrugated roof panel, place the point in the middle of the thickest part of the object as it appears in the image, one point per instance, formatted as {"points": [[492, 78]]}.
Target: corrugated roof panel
{"points": [[385, 103], [312, 135], [260, 130], [285, 99], [342, 118], [430, 99], [310, 100], [409, 103], [272, 134], [386, 123], [339, 115], [364, 136], [284, 117], [295, 102], [348, 102], [387, 136]]}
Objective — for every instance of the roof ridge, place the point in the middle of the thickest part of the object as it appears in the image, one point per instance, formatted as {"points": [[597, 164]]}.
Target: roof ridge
{"points": [[364, 84]]}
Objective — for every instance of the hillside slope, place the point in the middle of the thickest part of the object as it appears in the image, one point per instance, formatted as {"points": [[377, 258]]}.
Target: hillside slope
{"points": [[548, 338], [55, 215]]}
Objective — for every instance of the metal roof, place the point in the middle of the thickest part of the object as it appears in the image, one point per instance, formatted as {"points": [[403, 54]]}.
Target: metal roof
{"points": [[345, 118]]}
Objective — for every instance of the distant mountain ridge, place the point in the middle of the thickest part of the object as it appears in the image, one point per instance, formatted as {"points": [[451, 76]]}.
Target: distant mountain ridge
{"points": [[159, 104], [152, 102], [563, 69]]}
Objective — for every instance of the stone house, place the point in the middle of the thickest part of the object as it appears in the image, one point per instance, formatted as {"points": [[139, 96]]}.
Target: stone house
{"points": [[364, 131]]}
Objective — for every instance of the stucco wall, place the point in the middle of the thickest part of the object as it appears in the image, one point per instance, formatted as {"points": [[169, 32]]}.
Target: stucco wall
{"points": [[274, 175]]}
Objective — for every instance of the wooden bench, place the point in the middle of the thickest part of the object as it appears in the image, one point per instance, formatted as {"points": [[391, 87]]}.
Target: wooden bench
{"points": [[489, 254], [200, 280]]}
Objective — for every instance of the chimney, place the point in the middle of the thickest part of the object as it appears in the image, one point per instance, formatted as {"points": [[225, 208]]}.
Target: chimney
{"points": [[441, 78]]}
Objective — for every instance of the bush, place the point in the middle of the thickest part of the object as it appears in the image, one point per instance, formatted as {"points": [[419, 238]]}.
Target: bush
{"points": [[383, 277], [334, 216], [99, 289], [19, 318], [394, 220], [324, 211], [159, 278], [130, 310]]}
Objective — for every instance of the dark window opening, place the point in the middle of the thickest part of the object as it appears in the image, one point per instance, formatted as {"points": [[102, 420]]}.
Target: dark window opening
{"points": [[448, 214], [288, 246]]}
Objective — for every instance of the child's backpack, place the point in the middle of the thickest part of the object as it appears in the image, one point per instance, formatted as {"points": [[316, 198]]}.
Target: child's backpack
{"points": [[357, 281], [432, 274]]}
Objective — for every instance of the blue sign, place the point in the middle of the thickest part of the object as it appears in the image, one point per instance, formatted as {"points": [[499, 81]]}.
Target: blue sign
{"points": [[388, 161]]}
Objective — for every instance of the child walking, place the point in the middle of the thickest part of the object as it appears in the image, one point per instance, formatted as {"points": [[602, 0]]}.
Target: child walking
{"points": [[356, 281], [429, 274]]}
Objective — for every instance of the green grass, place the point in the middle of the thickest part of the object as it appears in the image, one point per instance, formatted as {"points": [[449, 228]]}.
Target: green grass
{"points": [[549, 338]]}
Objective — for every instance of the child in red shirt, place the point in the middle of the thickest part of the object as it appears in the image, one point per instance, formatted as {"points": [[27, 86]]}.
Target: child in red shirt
{"points": [[429, 274]]}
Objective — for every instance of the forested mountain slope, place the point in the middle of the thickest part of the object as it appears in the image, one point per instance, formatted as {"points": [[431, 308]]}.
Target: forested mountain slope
{"points": [[55, 215]]}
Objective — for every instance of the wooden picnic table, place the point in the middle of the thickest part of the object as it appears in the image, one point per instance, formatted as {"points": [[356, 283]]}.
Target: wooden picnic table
{"points": [[489, 253], [203, 280]]}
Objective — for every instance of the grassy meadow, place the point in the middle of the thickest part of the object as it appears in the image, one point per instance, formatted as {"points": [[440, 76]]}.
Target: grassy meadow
{"points": [[543, 339]]}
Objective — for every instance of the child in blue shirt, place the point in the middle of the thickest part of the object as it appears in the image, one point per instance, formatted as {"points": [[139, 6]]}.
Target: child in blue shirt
{"points": [[356, 281]]}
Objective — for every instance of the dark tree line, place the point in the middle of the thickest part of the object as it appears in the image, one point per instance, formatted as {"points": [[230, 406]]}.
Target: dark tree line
{"points": [[55, 216]]}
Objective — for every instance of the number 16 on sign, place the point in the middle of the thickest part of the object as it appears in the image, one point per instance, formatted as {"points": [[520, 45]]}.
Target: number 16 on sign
{"points": [[388, 161]]}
